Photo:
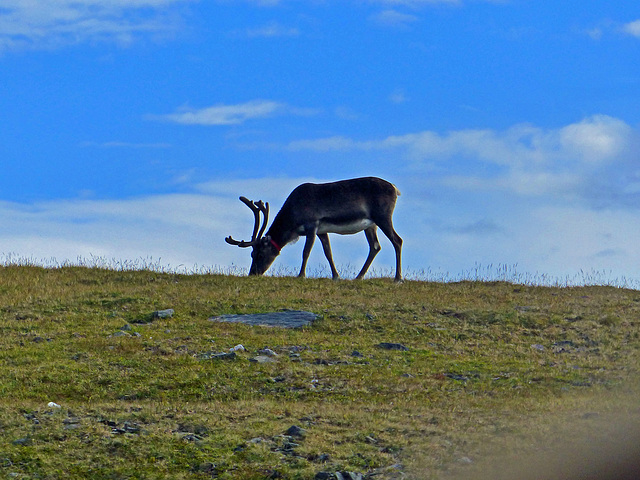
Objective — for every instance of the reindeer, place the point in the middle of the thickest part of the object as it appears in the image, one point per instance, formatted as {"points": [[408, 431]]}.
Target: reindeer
{"points": [[345, 207]]}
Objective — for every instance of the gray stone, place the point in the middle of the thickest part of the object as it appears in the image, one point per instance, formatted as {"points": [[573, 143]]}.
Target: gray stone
{"points": [[130, 428], [262, 359], [218, 356], [22, 442], [348, 476], [190, 437], [284, 319], [71, 423], [268, 352], [295, 431], [324, 476], [168, 313]]}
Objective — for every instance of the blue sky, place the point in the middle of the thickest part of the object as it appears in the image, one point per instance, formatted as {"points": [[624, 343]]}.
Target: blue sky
{"points": [[128, 128]]}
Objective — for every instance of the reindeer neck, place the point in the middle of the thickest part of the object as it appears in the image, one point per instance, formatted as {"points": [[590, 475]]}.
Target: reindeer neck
{"points": [[282, 231]]}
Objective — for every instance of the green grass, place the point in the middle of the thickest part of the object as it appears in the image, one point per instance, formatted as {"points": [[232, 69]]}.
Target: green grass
{"points": [[489, 364]]}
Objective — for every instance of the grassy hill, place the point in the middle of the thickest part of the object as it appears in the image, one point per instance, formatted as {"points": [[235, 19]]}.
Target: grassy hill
{"points": [[489, 367]]}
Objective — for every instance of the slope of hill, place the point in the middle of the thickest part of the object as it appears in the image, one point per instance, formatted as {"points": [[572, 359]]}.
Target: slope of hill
{"points": [[419, 380]]}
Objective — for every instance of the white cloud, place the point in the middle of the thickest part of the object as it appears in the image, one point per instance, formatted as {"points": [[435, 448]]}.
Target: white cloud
{"points": [[53, 23], [522, 183], [179, 229], [259, 188], [225, 114], [544, 244], [393, 18], [596, 139], [632, 28], [336, 143], [232, 114], [600, 240], [398, 96], [608, 26], [595, 33], [272, 30], [568, 162]]}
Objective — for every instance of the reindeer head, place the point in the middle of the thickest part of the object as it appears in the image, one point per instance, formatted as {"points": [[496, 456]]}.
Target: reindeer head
{"points": [[264, 250]]}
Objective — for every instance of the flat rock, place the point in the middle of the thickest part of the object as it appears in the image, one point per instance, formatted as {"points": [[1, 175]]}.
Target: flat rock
{"points": [[262, 359], [120, 333], [268, 352], [218, 356], [284, 319], [167, 313]]}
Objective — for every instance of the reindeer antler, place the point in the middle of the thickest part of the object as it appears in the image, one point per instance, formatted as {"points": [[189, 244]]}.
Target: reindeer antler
{"points": [[258, 230]]}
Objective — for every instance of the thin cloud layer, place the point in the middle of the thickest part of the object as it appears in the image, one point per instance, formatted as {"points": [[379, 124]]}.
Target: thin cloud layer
{"points": [[567, 162], [188, 230], [272, 30], [231, 114], [34, 24], [394, 18], [224, 114], [179, 229], [609, 26]]}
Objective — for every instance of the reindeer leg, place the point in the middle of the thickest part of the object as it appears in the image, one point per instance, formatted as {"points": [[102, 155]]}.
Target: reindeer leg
{"points": [[308, 245], [387, 228], [326, 246], [374, 248]]}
